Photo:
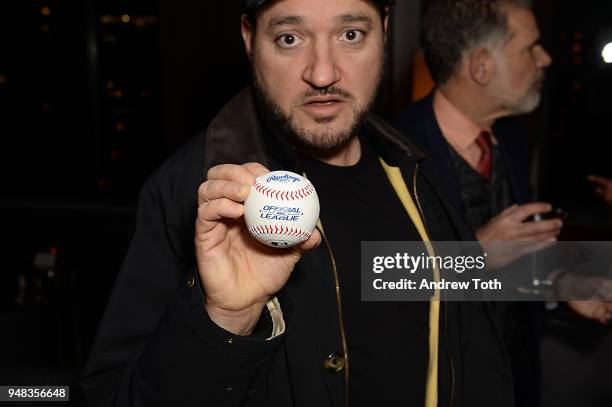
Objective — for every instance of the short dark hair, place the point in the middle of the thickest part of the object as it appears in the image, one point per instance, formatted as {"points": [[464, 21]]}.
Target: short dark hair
{"points": [[451, 27]]}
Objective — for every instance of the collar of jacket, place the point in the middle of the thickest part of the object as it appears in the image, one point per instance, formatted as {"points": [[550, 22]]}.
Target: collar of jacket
{"points": [[242, 133]]}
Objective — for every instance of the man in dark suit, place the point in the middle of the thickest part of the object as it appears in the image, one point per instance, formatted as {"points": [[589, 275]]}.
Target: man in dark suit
{"points": [[488, 64]]}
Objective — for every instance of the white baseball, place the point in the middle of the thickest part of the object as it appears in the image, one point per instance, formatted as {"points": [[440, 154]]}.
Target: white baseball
{"points": [[282, 209]]}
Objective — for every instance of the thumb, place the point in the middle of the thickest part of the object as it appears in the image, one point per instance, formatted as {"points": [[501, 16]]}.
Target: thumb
{"points": [[313, 241]]}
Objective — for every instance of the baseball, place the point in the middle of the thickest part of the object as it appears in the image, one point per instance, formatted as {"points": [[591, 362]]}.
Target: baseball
{"points": [[282, 209]]}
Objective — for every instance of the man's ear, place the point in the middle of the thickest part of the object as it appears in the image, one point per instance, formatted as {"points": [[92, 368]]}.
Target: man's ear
{"points": [[481, 66], [246, 29]]}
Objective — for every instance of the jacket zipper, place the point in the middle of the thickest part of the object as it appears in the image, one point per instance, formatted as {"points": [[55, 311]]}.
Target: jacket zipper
{"points": [[340, 319], [448, 350]]}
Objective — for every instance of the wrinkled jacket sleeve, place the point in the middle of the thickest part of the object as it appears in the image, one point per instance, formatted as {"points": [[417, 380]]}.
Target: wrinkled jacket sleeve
{"points": [[155, 345]]}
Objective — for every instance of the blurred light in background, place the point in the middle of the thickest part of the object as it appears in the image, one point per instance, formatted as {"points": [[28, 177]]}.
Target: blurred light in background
{"points": [[606, 53]]}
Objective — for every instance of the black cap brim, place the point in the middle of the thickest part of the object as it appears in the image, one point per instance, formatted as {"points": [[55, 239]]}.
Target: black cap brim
{"points": [[253, 5]]}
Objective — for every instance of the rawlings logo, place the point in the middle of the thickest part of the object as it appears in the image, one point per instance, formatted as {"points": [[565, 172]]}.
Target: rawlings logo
{"points": [[283, 178]]}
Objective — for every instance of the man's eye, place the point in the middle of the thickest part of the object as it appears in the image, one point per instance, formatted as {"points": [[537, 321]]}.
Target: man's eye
{"points": [[352, 36], [288, 41]]}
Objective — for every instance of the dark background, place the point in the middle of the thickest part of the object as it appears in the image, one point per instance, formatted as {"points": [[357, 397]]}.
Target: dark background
{"points": [[94, 94]]}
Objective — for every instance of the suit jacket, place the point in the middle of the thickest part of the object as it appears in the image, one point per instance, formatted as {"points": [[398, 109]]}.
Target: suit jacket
{"points": [[420, 124]]}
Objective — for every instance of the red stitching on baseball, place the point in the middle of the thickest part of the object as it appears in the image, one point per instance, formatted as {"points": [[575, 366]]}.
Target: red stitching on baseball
{"points": [[301, 193], [279, 230]]}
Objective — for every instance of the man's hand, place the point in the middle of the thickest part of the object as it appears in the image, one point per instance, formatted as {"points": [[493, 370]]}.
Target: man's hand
{"points": [[604, 187], [238, 274], [523, 237], [510, 224], [578, 287], [595, 310]]}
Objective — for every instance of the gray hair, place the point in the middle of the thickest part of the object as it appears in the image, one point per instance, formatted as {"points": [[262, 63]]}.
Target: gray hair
{"points": [[451, 27]]}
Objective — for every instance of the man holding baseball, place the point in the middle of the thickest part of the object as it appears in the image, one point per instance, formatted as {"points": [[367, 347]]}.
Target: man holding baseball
{"points": [[204, 315]]}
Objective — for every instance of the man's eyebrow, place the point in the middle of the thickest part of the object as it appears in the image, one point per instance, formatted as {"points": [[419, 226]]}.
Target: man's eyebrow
{"points": [[534, 44], [353, 18], [537, 40], [284, 20]]}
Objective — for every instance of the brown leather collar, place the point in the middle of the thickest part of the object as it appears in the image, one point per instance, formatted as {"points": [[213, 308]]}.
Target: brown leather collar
{"points": [[238, 135]]}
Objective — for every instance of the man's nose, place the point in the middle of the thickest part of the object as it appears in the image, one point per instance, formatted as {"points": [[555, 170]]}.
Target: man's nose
{"points": [[544, 59], [321, 70]]}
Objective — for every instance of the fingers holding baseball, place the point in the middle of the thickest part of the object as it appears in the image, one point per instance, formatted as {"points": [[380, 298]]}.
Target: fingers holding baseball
{"points": [[256, 169], [222, 208], [229, 181], [220, 200], [219, 189], [243, 174], [313, 241]]}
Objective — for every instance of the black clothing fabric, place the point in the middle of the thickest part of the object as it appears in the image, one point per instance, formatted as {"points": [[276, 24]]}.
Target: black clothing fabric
{"points": [[519, 322], [358, 204], [482, 198], [156, 345]]}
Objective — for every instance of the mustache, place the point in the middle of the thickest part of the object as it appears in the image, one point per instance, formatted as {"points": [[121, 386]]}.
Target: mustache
{"points": [[329, 91]]}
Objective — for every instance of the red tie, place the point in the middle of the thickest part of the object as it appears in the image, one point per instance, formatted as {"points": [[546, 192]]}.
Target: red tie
{"points": [[484, 164]]}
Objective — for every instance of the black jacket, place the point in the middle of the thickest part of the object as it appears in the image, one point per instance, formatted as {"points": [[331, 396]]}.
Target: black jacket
{"points": [[156, 345]]}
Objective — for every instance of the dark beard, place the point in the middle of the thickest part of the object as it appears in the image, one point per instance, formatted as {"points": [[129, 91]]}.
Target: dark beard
{"points": [[319, 147]]}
